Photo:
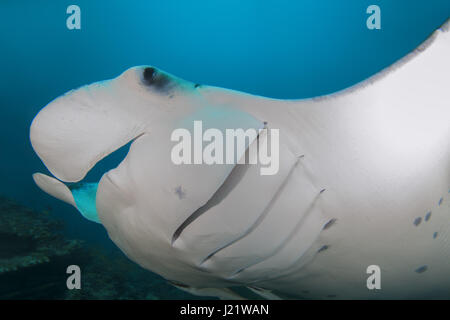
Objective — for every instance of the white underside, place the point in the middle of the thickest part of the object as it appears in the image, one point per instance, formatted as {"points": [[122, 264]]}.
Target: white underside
{"points": [[357, 171]]}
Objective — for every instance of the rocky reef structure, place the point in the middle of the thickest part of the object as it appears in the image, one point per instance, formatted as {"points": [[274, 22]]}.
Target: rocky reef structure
{"points": [[35, 254], [28, 238], [30, 244]]}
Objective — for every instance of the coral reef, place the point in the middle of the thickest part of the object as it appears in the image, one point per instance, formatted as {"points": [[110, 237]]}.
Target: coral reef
{"points": [[30, 248], [27, 237]]}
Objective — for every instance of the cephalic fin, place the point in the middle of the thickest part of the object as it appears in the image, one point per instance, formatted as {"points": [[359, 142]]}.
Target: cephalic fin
{"points": [[54, 187]]}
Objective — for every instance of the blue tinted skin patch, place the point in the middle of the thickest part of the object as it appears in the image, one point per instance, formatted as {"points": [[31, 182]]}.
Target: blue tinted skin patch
{"points": [[428, 216], [422, 269], [417, 221], [84, 195], [440, 201], [435, 235]]}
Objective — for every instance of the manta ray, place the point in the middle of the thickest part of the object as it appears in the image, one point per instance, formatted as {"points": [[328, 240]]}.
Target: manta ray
{"points": [[363, 182]]}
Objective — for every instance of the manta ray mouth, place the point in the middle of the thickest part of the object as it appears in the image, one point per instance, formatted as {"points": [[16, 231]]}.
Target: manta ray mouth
{"points": [[83, 194], [109, 162]]}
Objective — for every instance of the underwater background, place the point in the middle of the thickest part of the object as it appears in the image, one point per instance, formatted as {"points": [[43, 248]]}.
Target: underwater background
{"points": [[279, 49]]}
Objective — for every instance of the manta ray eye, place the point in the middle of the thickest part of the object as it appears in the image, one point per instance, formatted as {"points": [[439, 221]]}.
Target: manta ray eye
{"points": [[152, 77], [148, 73]]}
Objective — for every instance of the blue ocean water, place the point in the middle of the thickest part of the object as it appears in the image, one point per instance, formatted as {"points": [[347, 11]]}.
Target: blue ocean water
{"points": [[281, 49]]}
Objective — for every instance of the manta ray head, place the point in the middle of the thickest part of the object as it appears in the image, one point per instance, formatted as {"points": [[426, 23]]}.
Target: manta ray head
{"points": [[144, 201]]}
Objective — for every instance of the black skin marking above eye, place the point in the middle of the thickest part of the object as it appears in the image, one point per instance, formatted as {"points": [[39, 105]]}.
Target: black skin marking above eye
{"points": [[197, 85], [153, 78]]}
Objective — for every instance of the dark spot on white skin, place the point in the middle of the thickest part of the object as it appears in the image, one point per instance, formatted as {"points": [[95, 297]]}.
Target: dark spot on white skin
{"points": [[323, 248], [329, 224], [180, 192], [441, 200], [428, 216], [421, 269], [417, 221], [435, 235]]}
